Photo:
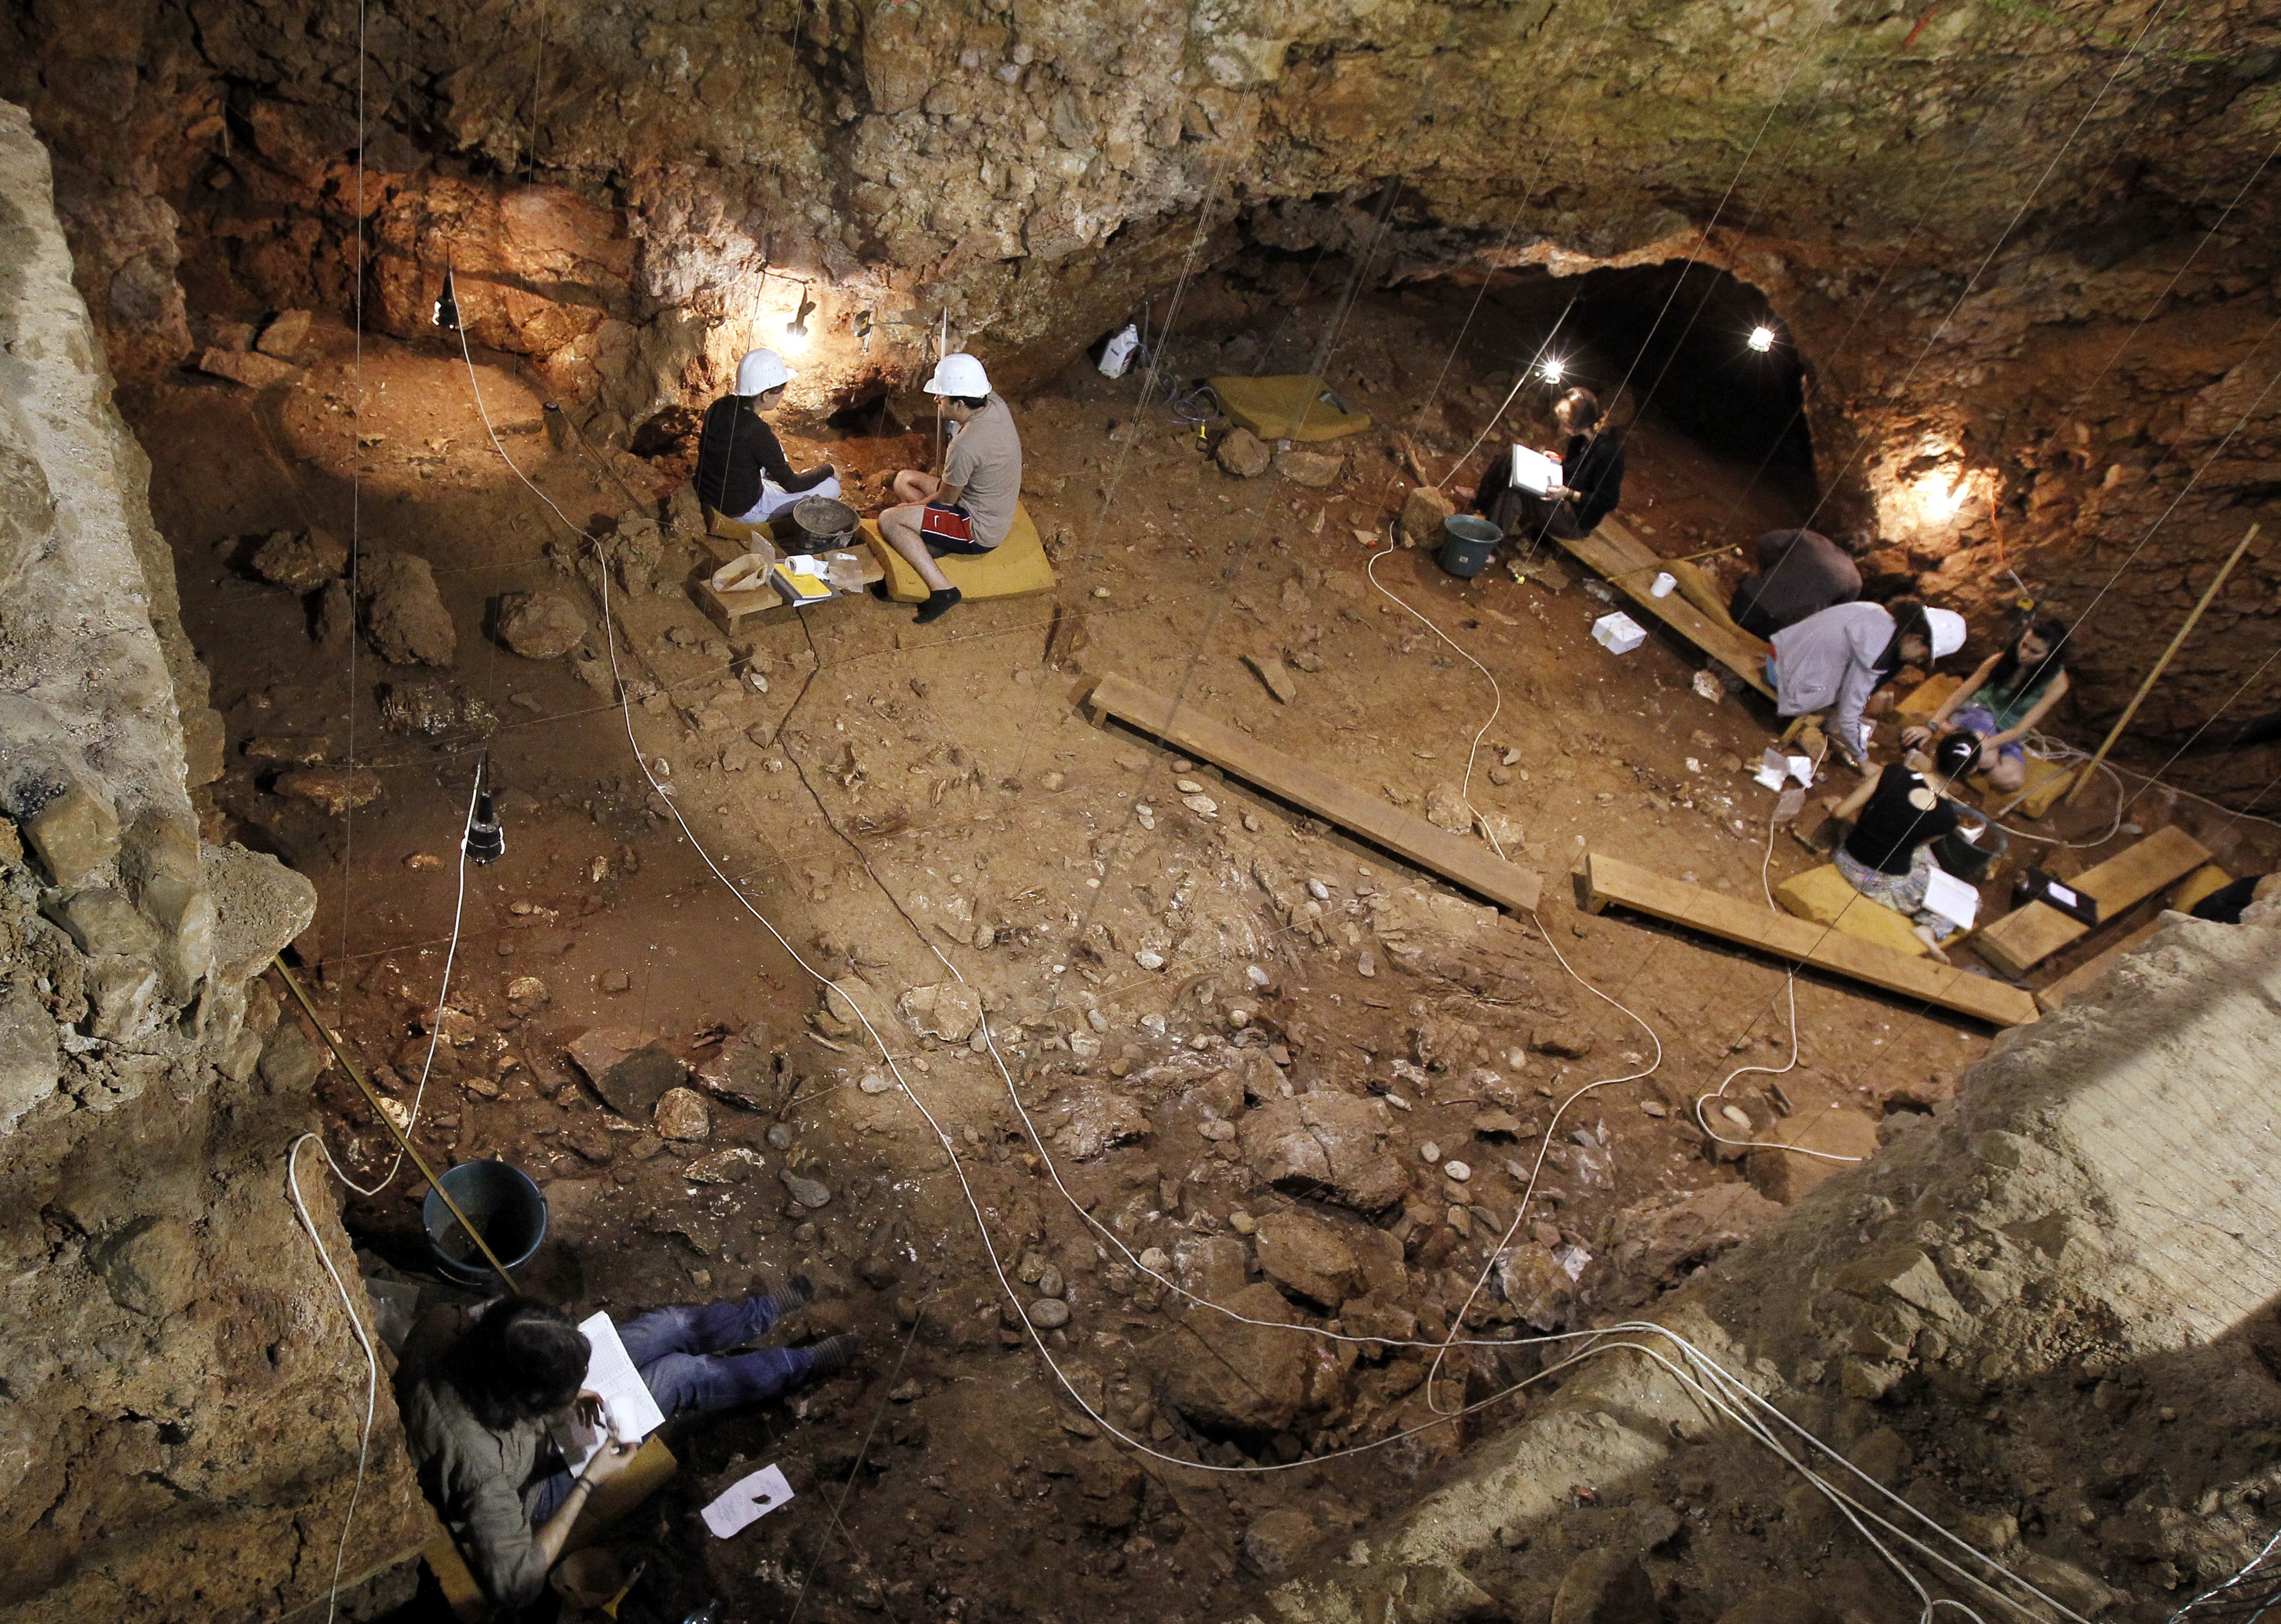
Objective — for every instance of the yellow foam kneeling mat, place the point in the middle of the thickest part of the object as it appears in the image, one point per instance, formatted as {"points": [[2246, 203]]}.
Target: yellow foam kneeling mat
{"points": [[2045, 783], [1014, 568], [1823, 896], [1287, 408], [1925, 697]]}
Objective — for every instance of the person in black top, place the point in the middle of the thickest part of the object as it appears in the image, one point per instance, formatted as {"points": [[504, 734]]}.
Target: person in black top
{"points": [[741, 470], [1898, 816], [1800, 573], [2223, 906], [1591, 473]]}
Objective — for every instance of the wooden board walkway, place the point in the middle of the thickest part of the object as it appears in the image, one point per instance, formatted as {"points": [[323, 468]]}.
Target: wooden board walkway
{"points": [[2088, 974], [2026, 936], [1603, 880], [1456, 858], [1631, 568]]}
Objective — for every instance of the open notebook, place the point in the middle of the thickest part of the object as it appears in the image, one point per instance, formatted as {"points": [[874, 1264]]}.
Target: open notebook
{"points": [[629, 1412], [1533, 471]]}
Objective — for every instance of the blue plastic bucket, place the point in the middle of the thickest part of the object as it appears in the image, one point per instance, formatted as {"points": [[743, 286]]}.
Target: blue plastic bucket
{"points": [[503, 1204], [1466, 544]]}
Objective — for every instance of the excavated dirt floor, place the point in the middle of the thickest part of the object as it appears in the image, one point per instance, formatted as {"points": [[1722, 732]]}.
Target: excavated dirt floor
{"points": [[882, 792]]}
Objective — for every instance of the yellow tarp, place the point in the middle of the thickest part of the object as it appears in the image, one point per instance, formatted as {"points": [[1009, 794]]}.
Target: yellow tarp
{"points": [[1015, 567], [1823, 896], [1296, 408]]}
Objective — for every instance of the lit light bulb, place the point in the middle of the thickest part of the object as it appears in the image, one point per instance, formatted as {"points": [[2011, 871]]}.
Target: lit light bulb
{"points": [[1942, 496], [1762, 339], [796, 338], [1552, 370]]}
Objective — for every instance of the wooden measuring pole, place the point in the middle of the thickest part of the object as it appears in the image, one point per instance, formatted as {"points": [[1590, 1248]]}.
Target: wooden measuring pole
{"points": [[2091, 768]]}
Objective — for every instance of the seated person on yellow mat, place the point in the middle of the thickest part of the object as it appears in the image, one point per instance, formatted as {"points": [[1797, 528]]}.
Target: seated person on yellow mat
{"points": [[2001, 703], [1592, 472], [1898, 815], [971, 507], [741, 470], [476, 1404]]}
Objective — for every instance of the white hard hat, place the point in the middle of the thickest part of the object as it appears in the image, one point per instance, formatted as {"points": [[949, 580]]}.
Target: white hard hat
{"points": [[959, 374], [1947, 632], [761, 371]]}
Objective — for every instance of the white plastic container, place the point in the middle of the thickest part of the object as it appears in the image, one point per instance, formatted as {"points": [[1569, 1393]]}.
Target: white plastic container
{"points": [[1618, 633], [1117, 355], [1660, 587]]}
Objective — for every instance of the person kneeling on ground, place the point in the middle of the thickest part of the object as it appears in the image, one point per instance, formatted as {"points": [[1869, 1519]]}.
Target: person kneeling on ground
{"points": [[1840, 656], [1896, 817], [971, 507], [1800, 573], [476, 1406], [1591, 473], [741, 470], [2002, 702]]}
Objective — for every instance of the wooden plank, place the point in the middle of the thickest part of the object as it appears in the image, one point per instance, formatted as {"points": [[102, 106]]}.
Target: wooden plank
{"points": [[1454, 857], [2092, 971], [2026, 936], [1606, 880], [1631, 568]]}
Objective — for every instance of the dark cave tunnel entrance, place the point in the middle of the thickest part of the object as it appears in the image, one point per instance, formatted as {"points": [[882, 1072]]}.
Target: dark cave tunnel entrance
{"points": [[1669, 343]]}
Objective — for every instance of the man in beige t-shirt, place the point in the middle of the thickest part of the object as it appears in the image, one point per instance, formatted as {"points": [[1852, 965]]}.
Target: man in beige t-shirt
{"points": [[981, 482]]}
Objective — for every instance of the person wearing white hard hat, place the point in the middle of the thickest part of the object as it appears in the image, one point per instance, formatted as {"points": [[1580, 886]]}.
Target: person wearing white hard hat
{"points": [[969, 506], [1836, 659], [742, 472]]}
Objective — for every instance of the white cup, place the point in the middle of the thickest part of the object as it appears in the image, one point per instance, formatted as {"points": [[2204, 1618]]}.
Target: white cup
{"points": [[1662, 584]]}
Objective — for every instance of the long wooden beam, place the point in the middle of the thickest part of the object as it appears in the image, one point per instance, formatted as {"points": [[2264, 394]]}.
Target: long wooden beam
{"points": [[1454, 857], [1603, 880], [1629, 566]]}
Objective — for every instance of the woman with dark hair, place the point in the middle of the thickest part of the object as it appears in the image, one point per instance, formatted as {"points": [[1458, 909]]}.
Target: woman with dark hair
{"points": [[476, 1399], [2004, 700], [1840, 657], [1898, 816], [1591, 478]]}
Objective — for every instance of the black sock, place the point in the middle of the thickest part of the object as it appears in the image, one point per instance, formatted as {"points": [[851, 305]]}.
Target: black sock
{"points": [[937, 606], [832, 1354]]}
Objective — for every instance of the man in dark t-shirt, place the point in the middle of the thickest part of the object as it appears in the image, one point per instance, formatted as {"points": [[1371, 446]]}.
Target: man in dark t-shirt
{"points": [[742, 472]]}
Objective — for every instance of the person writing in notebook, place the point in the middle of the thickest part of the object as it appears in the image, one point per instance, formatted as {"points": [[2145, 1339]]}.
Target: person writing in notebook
{"points": [[476, 1395], [742, 473], [971, 507], [1590, 479]]}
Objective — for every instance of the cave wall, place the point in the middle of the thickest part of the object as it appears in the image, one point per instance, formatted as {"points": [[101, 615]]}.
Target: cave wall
{"points": [[180, 1398], [1961, 213]]}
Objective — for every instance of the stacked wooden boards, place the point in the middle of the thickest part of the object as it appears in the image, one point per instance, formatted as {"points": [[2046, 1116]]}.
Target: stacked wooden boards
{"points": [[2026, 936]]}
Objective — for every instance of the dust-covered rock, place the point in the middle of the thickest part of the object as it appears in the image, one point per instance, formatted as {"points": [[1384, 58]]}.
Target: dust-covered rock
{"points": [[681, 1114], [334, 791], [301, 560], [947, 1009], [1329, 1146], [1308, 1258], [403, 613], [1314, 469], [1817, 1144], [540, 625], [1099, 1119], [1423, 511], [1243, 453], [1224, 1374]]}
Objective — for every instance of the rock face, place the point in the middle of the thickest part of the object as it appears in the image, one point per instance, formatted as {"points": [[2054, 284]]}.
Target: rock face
{"points": [[540, 625], [1786, 1175], [1307, 1256], [159, 1294], [403, 613]]}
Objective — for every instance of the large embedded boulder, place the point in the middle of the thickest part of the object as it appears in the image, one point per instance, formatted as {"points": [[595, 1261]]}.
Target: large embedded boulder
{"points": [[1328, 1146], [403, 613]]}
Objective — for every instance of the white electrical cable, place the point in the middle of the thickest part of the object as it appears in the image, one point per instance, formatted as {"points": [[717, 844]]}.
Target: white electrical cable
{"points": [[435, 1022], [371, 1361], [1465, 784]]}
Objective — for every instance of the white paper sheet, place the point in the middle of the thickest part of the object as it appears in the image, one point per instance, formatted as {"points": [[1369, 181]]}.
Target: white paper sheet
{"points": [[747, 1501], [630, 1413], [1774, 768], [1952, 898], [1533, 471], [1801, 767]]}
